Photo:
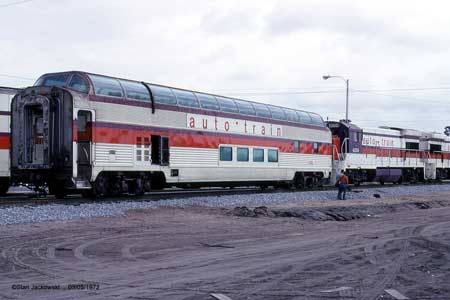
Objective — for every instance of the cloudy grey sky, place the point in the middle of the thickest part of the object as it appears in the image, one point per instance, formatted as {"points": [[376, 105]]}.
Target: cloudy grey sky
{"points": [[396, 53]]}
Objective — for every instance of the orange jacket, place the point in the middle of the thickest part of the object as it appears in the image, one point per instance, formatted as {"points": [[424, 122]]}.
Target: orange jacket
{"points": [[343, 179]]}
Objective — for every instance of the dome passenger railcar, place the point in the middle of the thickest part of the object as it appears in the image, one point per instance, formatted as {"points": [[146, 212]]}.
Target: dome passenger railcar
{"points": [[82, 131]]}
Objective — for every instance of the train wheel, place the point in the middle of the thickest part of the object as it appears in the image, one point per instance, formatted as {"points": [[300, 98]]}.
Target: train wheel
{"points": [[139, 187], [101, 185], [115, 186], [299, 181]]}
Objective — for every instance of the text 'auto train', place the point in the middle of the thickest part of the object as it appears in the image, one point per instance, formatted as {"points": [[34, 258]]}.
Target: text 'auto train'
{"points": [[82, 132]]}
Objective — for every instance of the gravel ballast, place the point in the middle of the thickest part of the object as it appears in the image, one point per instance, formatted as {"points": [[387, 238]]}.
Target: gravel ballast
{"points": [[51, 212]]}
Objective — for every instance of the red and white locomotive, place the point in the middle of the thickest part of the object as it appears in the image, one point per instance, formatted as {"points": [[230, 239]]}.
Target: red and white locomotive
{"points": [[80, 131], [388, 154]]}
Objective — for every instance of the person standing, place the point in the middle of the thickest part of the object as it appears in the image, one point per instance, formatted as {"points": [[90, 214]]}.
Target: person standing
{"points": [[342, 185]]}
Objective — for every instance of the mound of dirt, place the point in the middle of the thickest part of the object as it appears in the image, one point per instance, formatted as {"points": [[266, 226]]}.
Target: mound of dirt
{"points": [[334, 213]]}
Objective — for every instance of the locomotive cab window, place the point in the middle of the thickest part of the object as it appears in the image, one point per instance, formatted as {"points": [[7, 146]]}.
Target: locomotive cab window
{"points": [[272, 155], [105, 86], [412, 146], [435, 148], [258, 155], [226, 153], [242, 154]]}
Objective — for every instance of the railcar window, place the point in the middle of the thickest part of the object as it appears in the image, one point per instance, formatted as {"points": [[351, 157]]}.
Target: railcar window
{"points": [[208, 101], [435, 148], [185, 98], [277, 113], [242, 154], [258, 155], [106, 86], [53, 80], [316, 119], [291, 115], [135, 90], [163, 95], [226, 153], [262, 110], [304, 117], [78, 84], [296, 146], [227, 105], [273, 155], [412, 146], [245, 107], [360, 137]]}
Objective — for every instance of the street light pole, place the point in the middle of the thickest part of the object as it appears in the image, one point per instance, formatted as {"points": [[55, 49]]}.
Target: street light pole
{"points": [[346, 102], [325, 77]]}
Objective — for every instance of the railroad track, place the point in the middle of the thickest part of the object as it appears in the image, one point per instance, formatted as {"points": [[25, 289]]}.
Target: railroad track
{"points": [[30, 198]]}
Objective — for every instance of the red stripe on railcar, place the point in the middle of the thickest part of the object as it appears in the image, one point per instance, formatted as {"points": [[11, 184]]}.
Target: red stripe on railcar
{"points": [[199, 139], [5, 142]]}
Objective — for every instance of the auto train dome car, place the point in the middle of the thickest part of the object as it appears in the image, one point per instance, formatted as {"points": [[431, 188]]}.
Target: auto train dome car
{"points": [[77, 131]]}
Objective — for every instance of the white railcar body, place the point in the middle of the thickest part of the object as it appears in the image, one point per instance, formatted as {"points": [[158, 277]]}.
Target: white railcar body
{"points": [[184, 137], [6, 95]]}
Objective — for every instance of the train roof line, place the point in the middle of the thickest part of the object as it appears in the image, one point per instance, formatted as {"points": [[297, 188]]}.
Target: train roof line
{"points": [[10, 88], [182, 89]]}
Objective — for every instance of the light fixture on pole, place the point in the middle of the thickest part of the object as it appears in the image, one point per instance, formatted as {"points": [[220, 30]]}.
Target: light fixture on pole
{"points": [[325, 77]]}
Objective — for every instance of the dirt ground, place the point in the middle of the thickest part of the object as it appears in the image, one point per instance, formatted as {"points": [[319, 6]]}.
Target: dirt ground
{"points": [[189, 253]]}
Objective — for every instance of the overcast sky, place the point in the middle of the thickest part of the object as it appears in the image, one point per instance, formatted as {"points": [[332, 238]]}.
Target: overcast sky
{"points": [[395, 53]]}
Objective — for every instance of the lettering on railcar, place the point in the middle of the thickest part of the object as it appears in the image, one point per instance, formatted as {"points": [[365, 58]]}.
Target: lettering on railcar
{"points": [[379, 141], [219, 124]]}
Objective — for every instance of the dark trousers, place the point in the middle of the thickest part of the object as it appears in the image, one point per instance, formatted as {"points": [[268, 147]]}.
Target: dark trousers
{"points": [[342, 191]]}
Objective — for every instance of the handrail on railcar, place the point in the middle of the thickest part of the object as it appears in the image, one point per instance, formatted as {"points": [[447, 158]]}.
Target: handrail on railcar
{"points": [[345, 143]]}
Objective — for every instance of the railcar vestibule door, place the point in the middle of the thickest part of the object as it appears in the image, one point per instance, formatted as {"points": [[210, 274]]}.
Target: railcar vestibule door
{"points": [[84, 144], [160, 150]]}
